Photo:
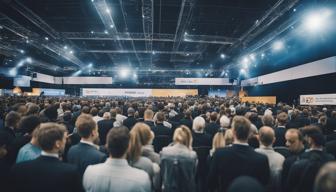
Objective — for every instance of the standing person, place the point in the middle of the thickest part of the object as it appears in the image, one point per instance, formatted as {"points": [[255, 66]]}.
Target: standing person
{"points": [[86, 152], [176, 159], [47, 172], [115, 174], [239, 159]]}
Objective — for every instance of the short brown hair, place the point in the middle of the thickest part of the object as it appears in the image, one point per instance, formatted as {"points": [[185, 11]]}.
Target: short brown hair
{"points": [[242, 127], [148, 114], [213, 116], [118, 141], [85, 125], [282, 118], [160, 116], [266, 136], [12, 119], [48, 134]]}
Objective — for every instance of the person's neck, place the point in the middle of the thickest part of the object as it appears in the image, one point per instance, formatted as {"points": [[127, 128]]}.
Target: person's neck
{"points": [[53, 151], [148, 119], [89, 140], [33, 141], [118, 158], [236, 141]]}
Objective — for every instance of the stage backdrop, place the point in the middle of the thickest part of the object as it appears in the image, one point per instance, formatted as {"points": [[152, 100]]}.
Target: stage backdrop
{"points": [[269, 100], [322, 99]]}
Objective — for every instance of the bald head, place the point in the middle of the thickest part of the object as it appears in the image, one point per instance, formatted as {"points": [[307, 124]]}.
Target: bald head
{"points": [[266, 136]]}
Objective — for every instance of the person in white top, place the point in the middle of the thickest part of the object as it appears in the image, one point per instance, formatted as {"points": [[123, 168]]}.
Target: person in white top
{"points": [[115, 175]]}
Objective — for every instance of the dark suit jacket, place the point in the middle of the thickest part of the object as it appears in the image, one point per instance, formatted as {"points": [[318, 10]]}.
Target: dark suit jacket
{"points": [[82, 155], [302, 174], [280, 139], [104, 127], [130, 122], [45, 174], [150, 124], [186, 122], [212, 128], [231, 162], [160, 129], [201, 139]]}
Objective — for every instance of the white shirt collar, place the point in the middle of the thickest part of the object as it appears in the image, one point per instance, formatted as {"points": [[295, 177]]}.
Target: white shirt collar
{"points": [[89, 143], [43, 153], [240, 143]]}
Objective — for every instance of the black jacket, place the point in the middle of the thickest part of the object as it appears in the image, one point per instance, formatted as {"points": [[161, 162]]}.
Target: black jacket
{"points": [[302, 174], [104, 127], [212, 128], [231, 162], [130, 122], [45, 174], [280, 139], [160, 129], [201, 139], [82, 155], [186, 122]]}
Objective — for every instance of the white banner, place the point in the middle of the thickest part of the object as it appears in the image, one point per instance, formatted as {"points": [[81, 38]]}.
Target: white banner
{"points": [[117, 92], [202, 81], [324, 99], [87, 80], [53, 92]]}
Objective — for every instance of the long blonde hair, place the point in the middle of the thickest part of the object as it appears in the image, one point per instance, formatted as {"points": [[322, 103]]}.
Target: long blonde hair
{"points": [[183, 136], [140, 135], [218, 140]]}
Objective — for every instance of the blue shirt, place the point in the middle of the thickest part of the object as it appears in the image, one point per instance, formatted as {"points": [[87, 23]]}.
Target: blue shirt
{"points": [[28, 152]]}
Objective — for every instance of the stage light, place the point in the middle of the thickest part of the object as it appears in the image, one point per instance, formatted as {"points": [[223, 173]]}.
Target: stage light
{"points": [[317, 21], [294, 10], [77, 73], [252, 56], [13, 72], [90, 65], [108, 10], [135, 76], [92, 0], [226, 74], [111, 26], [262, 55], [222, 56], [29, 60], [185, 33], [46, 38], [92, 32], [242, 71], [20, 64], [1, 27], [65, 47], [153, 52], [124, 72], [278, 45], [106, 32], [71, 52], [22, 51]]}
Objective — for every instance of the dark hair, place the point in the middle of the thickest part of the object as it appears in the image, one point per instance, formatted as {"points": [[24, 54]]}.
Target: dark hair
{"points": [[94, 111], [213, 116], [86, 110], [85, 125], [315, 134], [160, 117], [282, 118], [12, 118], [33, 109], [118, 141], [241, 127], [29, 123], [51, 112], [48, 134]]}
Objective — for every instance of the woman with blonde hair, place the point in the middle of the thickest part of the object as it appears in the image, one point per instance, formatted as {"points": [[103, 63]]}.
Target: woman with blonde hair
{"points": [[222, 138], [179, 158], [141, 137]]}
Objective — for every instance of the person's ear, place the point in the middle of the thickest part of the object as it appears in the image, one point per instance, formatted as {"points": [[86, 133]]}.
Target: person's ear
{"points": [[274, 139], [58, 144]]}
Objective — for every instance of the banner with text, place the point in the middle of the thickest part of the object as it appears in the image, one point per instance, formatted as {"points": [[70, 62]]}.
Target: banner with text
{"points": [[203, 81], [323, 99]]}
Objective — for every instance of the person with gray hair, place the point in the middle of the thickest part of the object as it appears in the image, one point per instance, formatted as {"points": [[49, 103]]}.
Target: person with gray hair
{"points": [[130, 121], [275, 159], [200, 138]]}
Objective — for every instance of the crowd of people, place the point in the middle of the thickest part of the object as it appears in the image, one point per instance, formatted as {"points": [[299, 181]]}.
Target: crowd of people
{"points": [[165, 144]]}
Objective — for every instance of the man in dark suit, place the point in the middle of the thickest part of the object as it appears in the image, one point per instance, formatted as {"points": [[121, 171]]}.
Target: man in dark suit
{"points": [[213, 126], [280, 130], [86, 153], [187, 120], [47, 172], [302, 174], [160, 129], [130, 121], [105, 125], [240, 159]]}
